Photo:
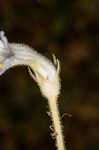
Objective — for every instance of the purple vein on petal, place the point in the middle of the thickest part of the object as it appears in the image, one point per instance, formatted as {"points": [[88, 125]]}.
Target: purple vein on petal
{"points": [[5, 42]]}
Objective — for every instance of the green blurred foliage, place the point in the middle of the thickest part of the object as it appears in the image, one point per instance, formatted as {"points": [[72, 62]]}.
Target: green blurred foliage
{"points": [[70, 29]]}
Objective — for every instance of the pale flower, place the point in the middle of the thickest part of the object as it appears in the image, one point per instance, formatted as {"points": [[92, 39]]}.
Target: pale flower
{"points": [[45, 72]]}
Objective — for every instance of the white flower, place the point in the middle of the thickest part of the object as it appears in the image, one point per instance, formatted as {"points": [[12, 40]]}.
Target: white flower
{"points": [[45, 73]]}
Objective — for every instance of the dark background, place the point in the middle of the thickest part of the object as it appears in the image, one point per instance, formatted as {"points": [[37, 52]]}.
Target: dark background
{"points": [[70, 30]]}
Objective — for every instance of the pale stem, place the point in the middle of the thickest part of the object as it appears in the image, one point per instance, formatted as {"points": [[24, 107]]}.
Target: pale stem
{"points": [[56, 123]]}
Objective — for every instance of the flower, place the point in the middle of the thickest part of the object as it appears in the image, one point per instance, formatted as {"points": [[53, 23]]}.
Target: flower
{"points": [[45, 73]]}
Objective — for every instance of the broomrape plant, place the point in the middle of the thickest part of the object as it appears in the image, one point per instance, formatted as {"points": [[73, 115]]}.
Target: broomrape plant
{"points": [[45, 73]]}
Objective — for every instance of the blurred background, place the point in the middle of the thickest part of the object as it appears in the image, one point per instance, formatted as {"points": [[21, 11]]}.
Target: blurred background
{"points": [[70, 30]]}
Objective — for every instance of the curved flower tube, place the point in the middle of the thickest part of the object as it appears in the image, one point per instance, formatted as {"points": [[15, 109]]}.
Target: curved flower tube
{"points": [[45, 73]]}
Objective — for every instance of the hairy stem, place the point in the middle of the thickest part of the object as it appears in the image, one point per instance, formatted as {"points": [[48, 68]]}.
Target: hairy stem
{"points": [[56, 123]]}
